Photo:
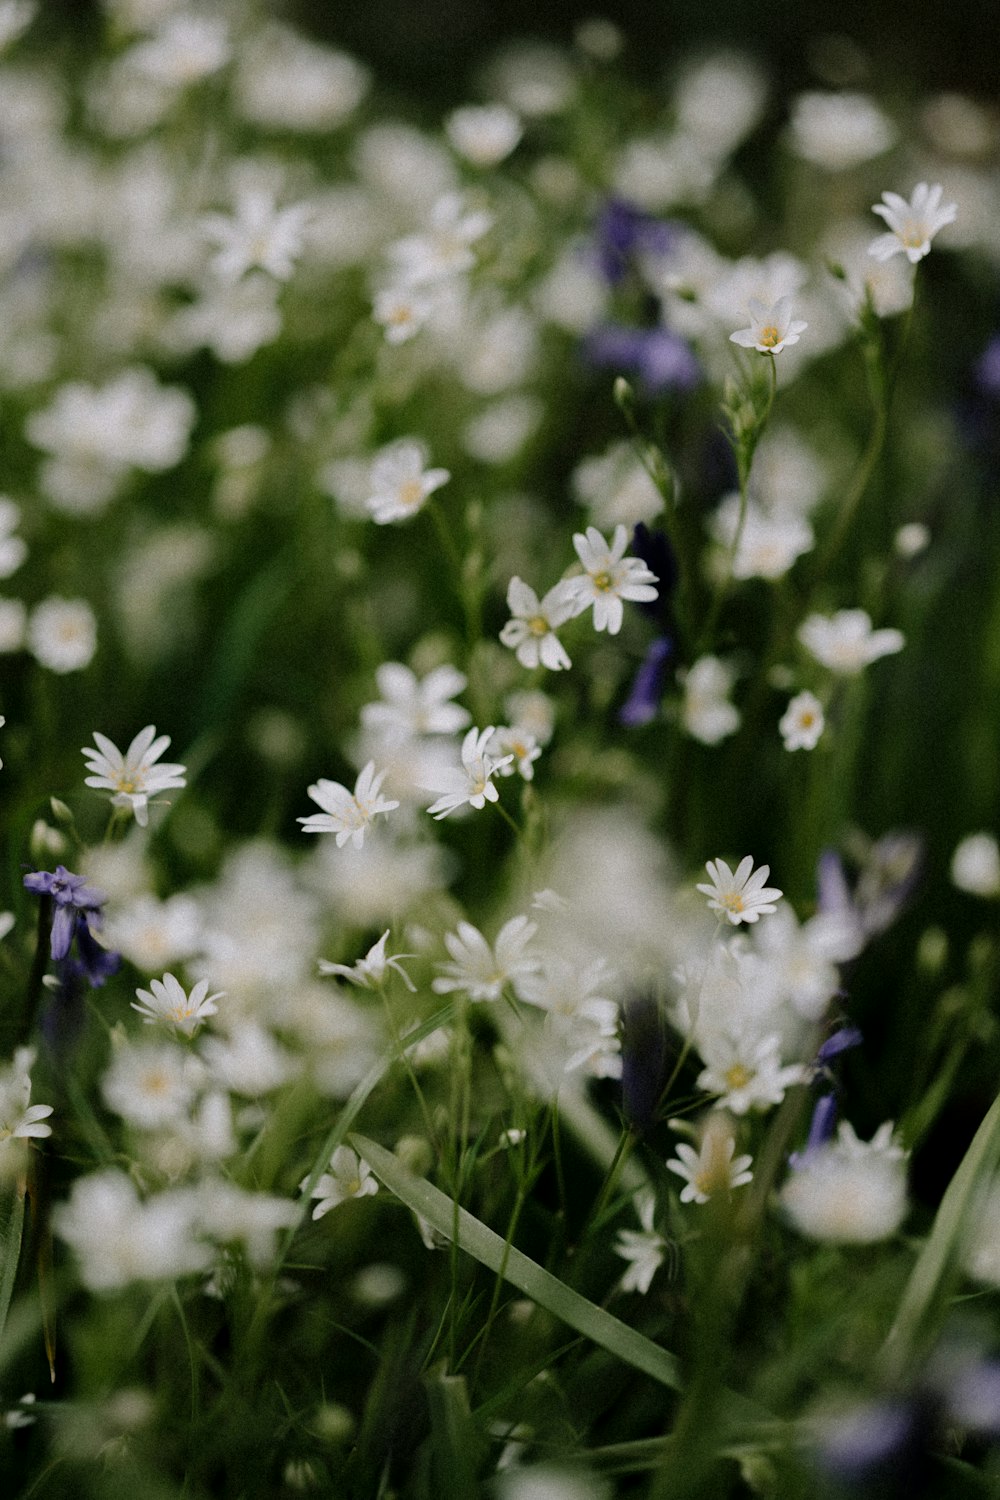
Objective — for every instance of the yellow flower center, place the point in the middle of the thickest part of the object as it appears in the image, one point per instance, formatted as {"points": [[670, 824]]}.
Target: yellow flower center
{"points": [[769, 336], [913, 235], [411, 492], [538, 625], [602, 581], [731, 901], [156, 1082], [737, 1077]]}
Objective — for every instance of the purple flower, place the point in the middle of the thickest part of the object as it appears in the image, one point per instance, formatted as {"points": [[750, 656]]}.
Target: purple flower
{"points": [[71, 895], [868, 1442], [644, 700], [988, 368], [841, 1041], [624, 231], [661, 360]]}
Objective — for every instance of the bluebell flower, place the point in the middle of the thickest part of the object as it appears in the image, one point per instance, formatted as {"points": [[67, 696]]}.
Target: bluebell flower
{"points": [[660, 360], [624, 231], [76, 915], [643, 702]]}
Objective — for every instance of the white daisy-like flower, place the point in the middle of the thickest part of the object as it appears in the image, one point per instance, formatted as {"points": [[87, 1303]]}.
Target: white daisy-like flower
{"points": [[771, 327], [485, 135], [912, 225], [370, 972], [845, 642], [531, 632], [151, 1085], [13, 549], [848, 1191], [802, 723], [446, 249], [746, 1074], [349, 1177], [741, 896], [609, 577], [509, 740], [167, 1003], [482, 971], [19, 1119], [62, 634], [706, 711], [714, 1168], [472, 783], [400, 481], [133, 777], [260, 236], [643, 1248], [345, 813], [412, 705], [400, 312], [975, 865]]}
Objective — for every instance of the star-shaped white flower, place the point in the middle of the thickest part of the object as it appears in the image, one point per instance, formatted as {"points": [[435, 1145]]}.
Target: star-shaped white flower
{"points": [[345, 813], [740, 897], [845, 642], [771, 328], [133, 777], [400, 482], [802, 723], [260, 236], [609, 577], [712, 1169], [644, 1248], [370, 972], [912, 225], [531, 631], [349, 1177], [168, 1003], [482, 971], [471, 783]]}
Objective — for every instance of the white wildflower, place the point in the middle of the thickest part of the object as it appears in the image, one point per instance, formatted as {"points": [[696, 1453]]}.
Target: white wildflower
{"points": [[975, 865], [371, 971], [845, 642], [802, 723], [259, 237], [482, 971], [133, 777], [609, 578], [531, 631], [771, 327], [400, 481], [643, 1248], [348, 814], [167, 1003], [471, 784], [349, 1177], [912, 225], [714, 1168], [741, 896]]}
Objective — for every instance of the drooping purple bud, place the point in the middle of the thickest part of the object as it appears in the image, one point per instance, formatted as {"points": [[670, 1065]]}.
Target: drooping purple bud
{"points": [[842, 1040], [643, 702], [867, 1442], [644, 1051], [661, 360], [623, 231], [821, 1128]]}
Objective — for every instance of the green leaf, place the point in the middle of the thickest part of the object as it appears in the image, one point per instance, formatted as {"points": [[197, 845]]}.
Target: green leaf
{"points": [[933, 1277], [455, 1441], [474, 1237], [11, 1232]]}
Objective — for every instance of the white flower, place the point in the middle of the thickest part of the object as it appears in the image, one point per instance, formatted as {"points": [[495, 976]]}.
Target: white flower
{"points": [[482, 971], [845, 641], [413, 705], [286, 81], [15, 17], [770, 540], [152, 933], [13, 550], [802, 722], [747, 1075], [712, 1169], [912, 225], [133, 777], [234, 321], [349, 1177], [167, 1002], [531, 631], [472, 783], [400, 483], [186, 49], [62, 634], [740, 897], [706, 711], [119, 1239], [850, 1192], [370, 972], [837, 131], [19, 1119], [485, 135], [511, 741], [151, 1086], [260, 236], [643, 1248], [400, 312], [609, 577], [771, 328], [348, 814], [446, 250], [975, 865]]}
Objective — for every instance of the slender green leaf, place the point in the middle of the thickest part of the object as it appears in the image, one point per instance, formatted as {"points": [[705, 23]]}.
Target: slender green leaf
{"points": [[11, 1232], [455, 1440], [932, 1278], [474, 1237]]}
